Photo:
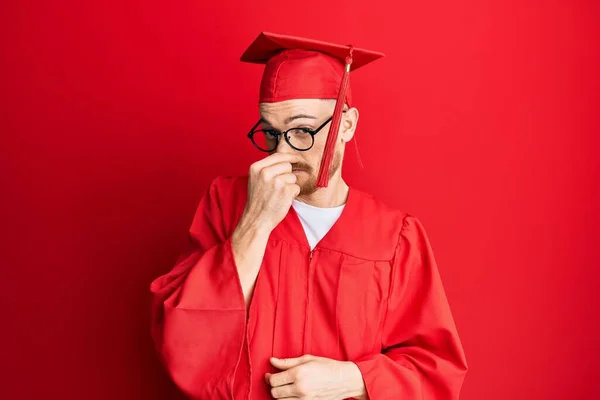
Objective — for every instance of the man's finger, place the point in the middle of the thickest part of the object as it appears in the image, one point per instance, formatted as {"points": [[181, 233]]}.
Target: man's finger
{"points": [[287, 363], [280, 379], [278, 158], [276, 169], [284, 392], [288, 178]]}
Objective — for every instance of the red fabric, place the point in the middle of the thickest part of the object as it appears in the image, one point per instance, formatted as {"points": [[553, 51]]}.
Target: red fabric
{"points": [[370, 293], [302, 74], [302, 68]]}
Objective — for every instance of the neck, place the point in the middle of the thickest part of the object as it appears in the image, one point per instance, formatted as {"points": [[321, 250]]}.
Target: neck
{"points": [[335, 194]]}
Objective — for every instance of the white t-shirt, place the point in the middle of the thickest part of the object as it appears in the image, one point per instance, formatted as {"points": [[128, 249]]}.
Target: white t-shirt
{"points": [[316, 221]]}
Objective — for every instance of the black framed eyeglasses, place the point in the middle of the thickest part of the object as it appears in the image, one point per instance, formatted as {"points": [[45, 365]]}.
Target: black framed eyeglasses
{"points": [[301, 139]]}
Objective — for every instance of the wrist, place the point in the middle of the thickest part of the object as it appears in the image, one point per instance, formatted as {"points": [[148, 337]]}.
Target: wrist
{"points": [[356, 384], [248, 241], [251, 229]]}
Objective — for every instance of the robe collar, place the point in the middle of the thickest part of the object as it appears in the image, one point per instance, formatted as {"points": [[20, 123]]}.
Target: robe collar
{"points": [[348, 235]]}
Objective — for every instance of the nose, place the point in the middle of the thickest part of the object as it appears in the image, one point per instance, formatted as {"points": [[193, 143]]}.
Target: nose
{"points": [[283, 147]]}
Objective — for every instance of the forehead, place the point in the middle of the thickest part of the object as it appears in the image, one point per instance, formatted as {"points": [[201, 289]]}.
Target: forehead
{"points": [[284, 109]]}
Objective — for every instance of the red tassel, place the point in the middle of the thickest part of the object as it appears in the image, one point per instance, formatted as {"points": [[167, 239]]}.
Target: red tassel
{"points": [[360, 164], [323, 178]]}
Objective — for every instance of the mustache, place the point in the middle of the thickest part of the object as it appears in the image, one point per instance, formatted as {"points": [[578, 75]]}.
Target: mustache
{"points": [[301, 166]]}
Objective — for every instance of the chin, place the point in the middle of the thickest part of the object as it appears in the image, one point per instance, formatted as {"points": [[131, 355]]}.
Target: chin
{"points": [[307, 190], [302, 182], [307, 186]]}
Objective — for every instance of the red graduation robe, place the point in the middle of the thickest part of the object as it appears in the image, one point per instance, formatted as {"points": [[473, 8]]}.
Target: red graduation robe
{"points": [[370, 293]]}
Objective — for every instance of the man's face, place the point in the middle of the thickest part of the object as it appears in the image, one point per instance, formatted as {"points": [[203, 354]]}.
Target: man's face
{"points": [[303, 113]]}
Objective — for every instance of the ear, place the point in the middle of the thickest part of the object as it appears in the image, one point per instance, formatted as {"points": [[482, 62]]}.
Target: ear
{"points": [[349, 122]]}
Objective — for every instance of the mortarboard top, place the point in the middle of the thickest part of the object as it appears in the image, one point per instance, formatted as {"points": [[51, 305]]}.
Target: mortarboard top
{"points": [[300, 68]]}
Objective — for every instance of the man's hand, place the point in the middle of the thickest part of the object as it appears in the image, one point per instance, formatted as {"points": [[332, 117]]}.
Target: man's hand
{"points": [[310, 377], [271, 190]]}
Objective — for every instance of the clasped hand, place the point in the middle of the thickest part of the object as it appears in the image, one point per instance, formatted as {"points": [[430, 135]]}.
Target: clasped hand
{"points": [[311, 377]]}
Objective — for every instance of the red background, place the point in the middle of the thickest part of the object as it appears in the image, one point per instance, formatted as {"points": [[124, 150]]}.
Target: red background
{"points": [[482, 120]]}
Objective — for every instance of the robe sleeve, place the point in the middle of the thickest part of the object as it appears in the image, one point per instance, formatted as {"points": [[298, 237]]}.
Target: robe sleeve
{"points": [[422, 356], [198, 308]]}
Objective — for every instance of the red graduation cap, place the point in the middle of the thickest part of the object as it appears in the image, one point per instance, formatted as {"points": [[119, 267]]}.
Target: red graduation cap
{"points": [[299, 68]]}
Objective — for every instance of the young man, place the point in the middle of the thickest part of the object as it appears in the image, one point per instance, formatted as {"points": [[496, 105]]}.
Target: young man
{"points": [[296, 285]]}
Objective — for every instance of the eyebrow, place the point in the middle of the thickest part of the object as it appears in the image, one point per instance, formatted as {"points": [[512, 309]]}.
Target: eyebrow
{"points": [[290, 119]]}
